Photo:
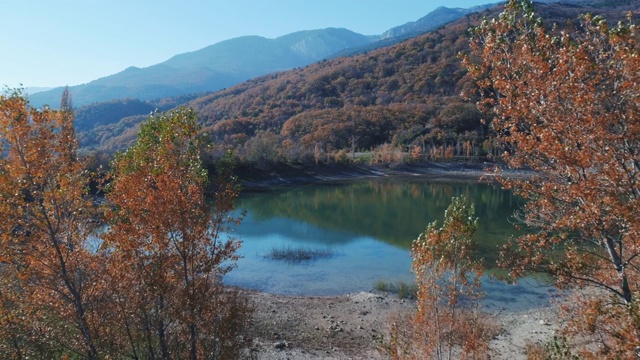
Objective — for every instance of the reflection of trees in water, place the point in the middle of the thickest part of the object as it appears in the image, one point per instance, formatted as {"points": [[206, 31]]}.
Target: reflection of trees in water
{"points": [[300, 231], [395, 211]]}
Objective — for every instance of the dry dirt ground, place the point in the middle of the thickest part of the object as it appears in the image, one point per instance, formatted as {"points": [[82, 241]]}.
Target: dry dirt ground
{"points": [[347, 327]]}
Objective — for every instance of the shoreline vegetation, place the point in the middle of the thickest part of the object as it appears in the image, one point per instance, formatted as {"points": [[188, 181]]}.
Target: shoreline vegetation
{"points": [[300, 254]]}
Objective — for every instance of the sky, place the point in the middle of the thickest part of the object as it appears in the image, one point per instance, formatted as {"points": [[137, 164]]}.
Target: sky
{"points": [[49, 43]]}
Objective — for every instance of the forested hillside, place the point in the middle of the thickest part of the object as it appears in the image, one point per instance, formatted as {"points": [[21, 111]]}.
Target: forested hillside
{"points": [[97, 124], [405, 94], [212, 68], [406, 97]]}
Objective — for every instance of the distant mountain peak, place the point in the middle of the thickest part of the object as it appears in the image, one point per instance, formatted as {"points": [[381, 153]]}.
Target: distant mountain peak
{"points": [[435, 19], [232, 61]]}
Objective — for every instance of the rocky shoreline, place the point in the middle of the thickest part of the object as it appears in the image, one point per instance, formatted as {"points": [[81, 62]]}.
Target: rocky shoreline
{"points": [[261, 180], [350, 326]]}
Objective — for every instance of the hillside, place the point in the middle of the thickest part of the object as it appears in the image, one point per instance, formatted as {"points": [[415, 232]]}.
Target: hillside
{"points": [[98, 123], [438, 17], [232, 61], [406, 95], [396, 95], [212, 68]]}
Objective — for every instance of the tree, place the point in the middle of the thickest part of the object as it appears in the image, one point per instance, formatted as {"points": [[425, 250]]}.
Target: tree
{"points": [[566, 106], [446, 323], [169, 246], [65, 100], [49, 277]]}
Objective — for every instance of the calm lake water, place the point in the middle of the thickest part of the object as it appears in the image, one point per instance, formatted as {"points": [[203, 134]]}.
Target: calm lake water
{"points": [[369, 225]]}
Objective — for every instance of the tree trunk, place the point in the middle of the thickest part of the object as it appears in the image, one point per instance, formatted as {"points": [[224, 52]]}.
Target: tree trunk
{"points": [[77, 301], [617, 262]]}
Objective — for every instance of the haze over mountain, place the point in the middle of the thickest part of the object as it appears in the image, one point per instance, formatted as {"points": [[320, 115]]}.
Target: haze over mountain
{"points": [[212, 68], [232, 61], [36, 89]]}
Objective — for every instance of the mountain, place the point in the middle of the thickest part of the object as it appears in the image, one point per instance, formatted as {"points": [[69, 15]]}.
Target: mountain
{"points": [[36, 89], [400, 92], [157, 81], [96, 123], [254, 55], [212, 68], [406, 94], [435, 19], [230, 62]]}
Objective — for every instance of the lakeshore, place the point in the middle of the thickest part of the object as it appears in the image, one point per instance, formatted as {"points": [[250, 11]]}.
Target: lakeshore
{"points": [[254, 179], [350, 326]]}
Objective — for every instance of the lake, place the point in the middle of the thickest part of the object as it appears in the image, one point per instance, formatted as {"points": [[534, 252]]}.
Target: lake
{"points": [[369, 225]]}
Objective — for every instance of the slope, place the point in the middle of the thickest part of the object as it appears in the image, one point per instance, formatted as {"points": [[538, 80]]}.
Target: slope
{"points": [[212, 68]]}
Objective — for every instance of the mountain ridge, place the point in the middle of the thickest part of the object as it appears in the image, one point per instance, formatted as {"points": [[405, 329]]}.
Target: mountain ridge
{"points": [[222, 65], [404, 95]]}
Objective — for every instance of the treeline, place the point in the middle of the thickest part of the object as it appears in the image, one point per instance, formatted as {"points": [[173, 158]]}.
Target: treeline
{"points": [[111, 126]]}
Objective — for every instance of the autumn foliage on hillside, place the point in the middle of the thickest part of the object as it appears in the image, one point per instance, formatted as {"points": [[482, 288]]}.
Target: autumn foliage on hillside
{"points": [[396, 96], [405, 97]]}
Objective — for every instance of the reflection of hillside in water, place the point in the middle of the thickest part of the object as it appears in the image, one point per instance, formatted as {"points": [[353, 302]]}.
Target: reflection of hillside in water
{"points": [[395, 211], [297, 230]]}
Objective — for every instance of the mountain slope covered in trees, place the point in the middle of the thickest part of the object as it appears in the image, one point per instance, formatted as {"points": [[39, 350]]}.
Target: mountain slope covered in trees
{"points": [[232, 61], [212, 68], [406, 96]]}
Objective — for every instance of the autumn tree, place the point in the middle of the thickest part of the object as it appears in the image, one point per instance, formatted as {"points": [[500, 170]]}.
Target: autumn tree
{"points": [[49, 276], [170, 248], [447, 322], [566, 106]]}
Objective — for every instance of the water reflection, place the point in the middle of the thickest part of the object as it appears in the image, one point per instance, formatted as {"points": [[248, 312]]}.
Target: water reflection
{"points": [[369, 224], [394, 211]]}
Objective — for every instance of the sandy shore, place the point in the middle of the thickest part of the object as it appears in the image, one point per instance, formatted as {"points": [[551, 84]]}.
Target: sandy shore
{"points": [[347, 327]]}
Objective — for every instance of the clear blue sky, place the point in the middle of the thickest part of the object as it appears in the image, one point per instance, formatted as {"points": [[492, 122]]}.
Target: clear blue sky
{"points": [[70, 42]]}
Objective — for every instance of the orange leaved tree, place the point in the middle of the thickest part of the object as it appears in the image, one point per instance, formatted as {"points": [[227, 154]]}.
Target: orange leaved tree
{"points": [[447, 323], [566, 106], [49, 272], [169, 248]]}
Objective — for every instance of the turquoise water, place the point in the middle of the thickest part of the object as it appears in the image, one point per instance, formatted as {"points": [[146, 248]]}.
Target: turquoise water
{"points": [[369, 225]]}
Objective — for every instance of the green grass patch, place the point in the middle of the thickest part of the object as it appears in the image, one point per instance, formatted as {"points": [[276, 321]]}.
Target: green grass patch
{"points": [[401, 289], [298, 254]]}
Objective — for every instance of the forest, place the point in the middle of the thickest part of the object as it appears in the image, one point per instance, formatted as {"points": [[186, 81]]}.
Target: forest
{"points": [[413, 97], [138, 274]]}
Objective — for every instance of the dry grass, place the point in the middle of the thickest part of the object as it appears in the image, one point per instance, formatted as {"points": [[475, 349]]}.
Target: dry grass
{"points": [[298, 254]]}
